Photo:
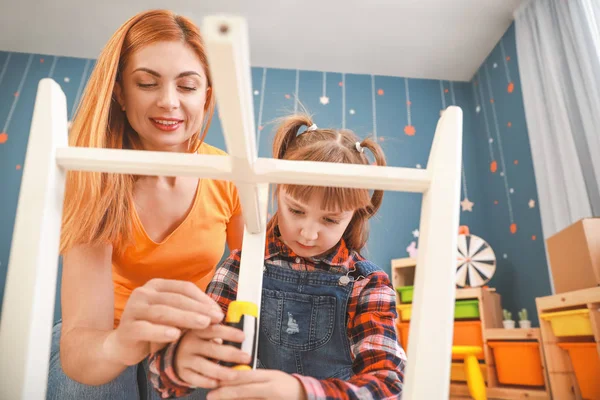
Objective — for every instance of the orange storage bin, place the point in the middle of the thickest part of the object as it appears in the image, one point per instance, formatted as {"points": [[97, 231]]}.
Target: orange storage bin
{"points": [[468, 333], [403, 334], [518, 363], [586, 365]]}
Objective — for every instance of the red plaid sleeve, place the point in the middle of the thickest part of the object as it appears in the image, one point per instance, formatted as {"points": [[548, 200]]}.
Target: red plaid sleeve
{"points": [[378, 359], [223, 289]]}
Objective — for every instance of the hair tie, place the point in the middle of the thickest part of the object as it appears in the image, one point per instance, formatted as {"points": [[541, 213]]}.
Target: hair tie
{"points": [[313, 127], [359, 148]]}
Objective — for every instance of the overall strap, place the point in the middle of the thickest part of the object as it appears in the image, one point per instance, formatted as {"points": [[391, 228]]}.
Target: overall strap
{"points": [[365, 268]]}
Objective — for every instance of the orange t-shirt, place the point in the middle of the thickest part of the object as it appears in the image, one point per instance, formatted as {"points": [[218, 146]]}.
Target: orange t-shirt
{"points": [[191, 252]]}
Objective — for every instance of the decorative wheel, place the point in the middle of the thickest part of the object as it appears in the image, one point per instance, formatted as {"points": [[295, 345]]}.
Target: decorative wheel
{"points": [[476, 261]]}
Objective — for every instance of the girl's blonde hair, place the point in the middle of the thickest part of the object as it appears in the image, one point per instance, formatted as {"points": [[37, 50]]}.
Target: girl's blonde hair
{"points": [[98, 206], [330, 145]]}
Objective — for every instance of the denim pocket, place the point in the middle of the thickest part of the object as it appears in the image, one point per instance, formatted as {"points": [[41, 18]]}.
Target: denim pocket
{"points": [[297, 321]]}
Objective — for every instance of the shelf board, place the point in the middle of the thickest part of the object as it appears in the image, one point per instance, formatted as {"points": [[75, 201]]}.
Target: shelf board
{"points": [[404, 262], [512, 334], [468, 293], [502, 392], [570, 299]]}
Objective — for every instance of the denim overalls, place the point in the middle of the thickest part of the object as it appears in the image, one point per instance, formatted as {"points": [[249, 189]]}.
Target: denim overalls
{"points": [[303, 321]]}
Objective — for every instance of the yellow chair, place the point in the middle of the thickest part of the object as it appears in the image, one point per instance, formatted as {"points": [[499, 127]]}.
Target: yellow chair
{"points": [[473, 373]]}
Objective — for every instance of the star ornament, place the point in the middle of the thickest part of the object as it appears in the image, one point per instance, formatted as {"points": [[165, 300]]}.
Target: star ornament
{"points": [[324, 100], [466, 205]]}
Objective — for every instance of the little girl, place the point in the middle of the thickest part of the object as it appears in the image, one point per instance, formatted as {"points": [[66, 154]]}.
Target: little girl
{"points": [[327, 314]]}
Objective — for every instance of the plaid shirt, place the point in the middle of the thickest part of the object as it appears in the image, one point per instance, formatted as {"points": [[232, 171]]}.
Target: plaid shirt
{"points": [[378, 359]]}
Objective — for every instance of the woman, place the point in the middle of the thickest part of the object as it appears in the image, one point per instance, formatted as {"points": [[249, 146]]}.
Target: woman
{"points": [[138, 251]]}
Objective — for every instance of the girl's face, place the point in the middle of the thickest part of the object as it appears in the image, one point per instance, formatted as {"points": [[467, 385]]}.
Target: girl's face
{"points": [[307, 229], [163, 92]]}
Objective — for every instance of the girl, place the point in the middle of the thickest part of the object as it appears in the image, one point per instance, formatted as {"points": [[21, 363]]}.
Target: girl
{"points": [[327, 313]]}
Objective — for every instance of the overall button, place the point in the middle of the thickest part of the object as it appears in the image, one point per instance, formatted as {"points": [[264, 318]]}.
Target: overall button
{"points": [[344, 280], [298, 260]]}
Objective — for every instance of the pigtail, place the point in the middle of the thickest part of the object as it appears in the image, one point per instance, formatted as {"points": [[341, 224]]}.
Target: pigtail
{"points": [[380, 161], [287, 132]]}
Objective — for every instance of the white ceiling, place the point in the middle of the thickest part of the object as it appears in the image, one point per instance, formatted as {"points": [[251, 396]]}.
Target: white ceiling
{"points": [[435, 39]]}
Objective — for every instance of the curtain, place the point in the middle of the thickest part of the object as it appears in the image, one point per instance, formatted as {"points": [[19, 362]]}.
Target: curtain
{"points": [[558, 49]]}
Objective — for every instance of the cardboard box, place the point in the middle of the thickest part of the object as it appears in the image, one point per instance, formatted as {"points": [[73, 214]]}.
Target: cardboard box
{"points": [[574, 256]]}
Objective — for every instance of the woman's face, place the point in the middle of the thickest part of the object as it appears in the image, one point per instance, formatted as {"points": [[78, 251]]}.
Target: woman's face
{"points": [[163, 93]]}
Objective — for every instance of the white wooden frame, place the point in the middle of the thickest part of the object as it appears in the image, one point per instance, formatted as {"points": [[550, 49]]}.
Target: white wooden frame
{"points": [[27, 312]]}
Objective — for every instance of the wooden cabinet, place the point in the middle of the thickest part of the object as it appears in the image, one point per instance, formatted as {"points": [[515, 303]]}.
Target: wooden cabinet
{"points": [[579, 314], [473, 328]]}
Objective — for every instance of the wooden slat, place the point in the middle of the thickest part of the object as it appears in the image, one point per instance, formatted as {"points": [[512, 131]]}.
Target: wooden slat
{"points": [[517, 393], [151, 163], [404, 262], [563, 387], [459, 389], [595, 319], [492, 309], [570, 299], [512, 334], [434, 297], [505, 393], [28, 306], [468, 293], [560, 376], [492, 375], [269, 170], [228, 49], [489, 355], [557, 359], [544, 364]]}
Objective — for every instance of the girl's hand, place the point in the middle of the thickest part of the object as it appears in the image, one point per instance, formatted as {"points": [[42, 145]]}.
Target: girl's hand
{"points": [[199, 351], [155, 314], [261, 384]]}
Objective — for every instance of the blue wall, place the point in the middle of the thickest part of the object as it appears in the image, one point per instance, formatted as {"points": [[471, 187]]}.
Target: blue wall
{"points": [[382, 106], [509, 194]]}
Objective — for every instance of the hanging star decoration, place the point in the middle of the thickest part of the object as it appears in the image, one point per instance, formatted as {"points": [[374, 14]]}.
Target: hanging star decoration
{"points": [[531, 203], [467, 205], [415, 233], [412, 250], [324, 100]]}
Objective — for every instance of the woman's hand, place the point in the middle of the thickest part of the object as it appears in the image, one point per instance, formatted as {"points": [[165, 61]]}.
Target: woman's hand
{"points": [[263, 384], [155, 314], [199, 351]]}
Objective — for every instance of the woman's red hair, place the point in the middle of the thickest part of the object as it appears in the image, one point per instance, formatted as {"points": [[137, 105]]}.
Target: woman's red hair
{"points": [[98, 206]]}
